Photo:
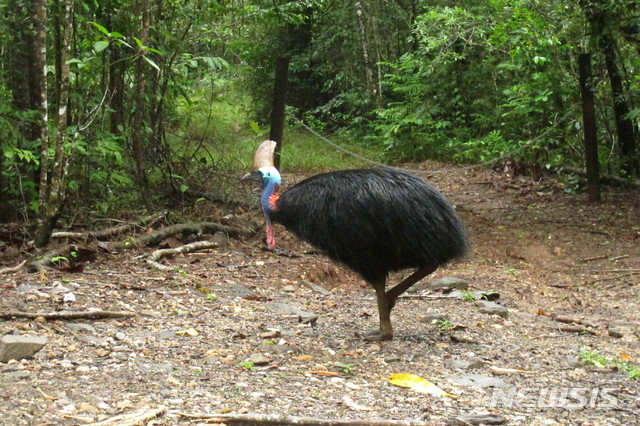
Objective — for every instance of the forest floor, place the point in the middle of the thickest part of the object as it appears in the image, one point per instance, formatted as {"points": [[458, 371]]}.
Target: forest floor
{"points": [[225, 334]]}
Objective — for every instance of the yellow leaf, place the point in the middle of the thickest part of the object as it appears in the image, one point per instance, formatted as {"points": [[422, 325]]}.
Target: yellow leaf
{"points": [[187, 332], [418, 384], [625, 357]]}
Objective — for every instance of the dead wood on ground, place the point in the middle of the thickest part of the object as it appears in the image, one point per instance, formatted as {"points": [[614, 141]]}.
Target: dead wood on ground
{"points": [[66, 315], [187, 248], [114, 231]]}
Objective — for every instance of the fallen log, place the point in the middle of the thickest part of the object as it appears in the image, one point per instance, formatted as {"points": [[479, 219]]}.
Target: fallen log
{"points": [[605, 178], [66, 315], [140, 417], [184, 229], [279, 419], [187, 248], [105, 234]]}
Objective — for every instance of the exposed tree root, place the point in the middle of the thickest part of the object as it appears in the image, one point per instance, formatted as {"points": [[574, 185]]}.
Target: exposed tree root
{"points": [[66, 315], [184, 229], [187, 248], [71, 255], [10, 269], [606, 179], [108, 233]]}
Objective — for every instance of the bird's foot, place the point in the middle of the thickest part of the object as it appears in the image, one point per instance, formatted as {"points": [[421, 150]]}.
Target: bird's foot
{"points": [[377, 336]]}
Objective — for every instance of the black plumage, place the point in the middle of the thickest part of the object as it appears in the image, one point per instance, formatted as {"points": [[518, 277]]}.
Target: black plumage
{"points": [[374, 221]]}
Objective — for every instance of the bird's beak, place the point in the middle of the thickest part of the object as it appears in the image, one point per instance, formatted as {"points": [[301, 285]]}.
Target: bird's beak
{"points": [[254, 176]]}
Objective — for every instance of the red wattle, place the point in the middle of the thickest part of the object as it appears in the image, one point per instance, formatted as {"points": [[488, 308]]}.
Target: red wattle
{"points": [[271, 241]]}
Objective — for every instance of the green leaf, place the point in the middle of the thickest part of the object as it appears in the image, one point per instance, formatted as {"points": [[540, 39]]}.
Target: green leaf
{"points": [[101, 28], [153, 64], [255, 127], [99, 46]]}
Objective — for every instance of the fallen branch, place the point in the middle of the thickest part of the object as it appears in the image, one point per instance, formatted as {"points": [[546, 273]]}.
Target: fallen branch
{"points": [[8, 270], [140, 417], [184, 229], [66, 315], [187, 248], [576, 329], [279, 419], [70, 253], [605, 178], [109, 233]]}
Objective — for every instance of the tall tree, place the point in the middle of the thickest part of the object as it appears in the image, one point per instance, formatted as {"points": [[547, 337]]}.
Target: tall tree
{"points": [[600, 19], [56, 189], [138, 123]]}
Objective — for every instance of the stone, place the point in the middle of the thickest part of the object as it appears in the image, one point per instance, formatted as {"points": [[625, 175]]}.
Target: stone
{"points": [[80, 327], [20, 347], [258, 359], [431, 318], [282, 308], [468, 364], [614, 332], [317, 288], [477, 381], [491, 308], [443, 283]]}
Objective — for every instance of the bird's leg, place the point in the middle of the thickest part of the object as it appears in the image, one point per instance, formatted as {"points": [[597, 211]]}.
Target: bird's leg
{"points": [[394, 292], [384, 311]]}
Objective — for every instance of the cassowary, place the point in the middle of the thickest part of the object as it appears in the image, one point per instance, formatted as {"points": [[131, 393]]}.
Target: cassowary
{"points": [[374, 221]]}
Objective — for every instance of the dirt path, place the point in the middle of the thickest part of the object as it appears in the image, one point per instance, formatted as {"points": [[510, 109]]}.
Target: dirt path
{"points": [[541, 252]]}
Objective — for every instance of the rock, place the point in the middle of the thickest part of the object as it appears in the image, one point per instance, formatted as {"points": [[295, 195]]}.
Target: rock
{"points": [[80, 327], [431, 318], [240, 292], [487, 419], [477, 381], [303, 316], [443, 283], [614, 332], [317, 288], [20, 347], [93, 340], [491, 308], [258, 359], [468, 364], [448, 283], [153, 367], [166, 334]]}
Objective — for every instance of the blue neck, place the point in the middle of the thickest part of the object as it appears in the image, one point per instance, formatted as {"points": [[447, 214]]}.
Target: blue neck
{"points": [[269, 189]]}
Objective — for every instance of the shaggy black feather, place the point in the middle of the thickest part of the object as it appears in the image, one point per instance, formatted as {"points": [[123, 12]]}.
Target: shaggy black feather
{"points": [[374, 221]]}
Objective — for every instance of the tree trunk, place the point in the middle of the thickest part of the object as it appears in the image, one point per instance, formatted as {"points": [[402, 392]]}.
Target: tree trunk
{"points": [[624, 125], [276, 132], [137, 138], [53, 207], [598, 18], [366, 54], [589, 125], [39, 92]]}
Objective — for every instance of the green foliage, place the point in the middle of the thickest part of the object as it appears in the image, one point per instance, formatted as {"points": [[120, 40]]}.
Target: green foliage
{"points": [[467, 82], [594, 358]]}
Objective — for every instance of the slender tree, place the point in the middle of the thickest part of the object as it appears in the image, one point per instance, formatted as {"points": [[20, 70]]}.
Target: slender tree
{"points": [[138, 122]]}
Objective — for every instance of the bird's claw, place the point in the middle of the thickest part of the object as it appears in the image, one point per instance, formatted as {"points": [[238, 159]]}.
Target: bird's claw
{"points": [[377, 336]]}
